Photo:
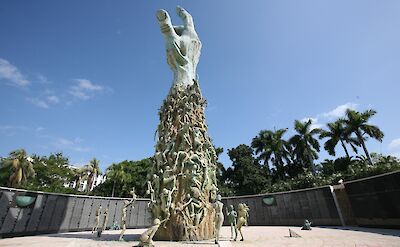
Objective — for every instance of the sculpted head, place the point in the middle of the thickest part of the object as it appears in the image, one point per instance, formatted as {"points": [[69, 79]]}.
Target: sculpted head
{"points": [[156, 221]]}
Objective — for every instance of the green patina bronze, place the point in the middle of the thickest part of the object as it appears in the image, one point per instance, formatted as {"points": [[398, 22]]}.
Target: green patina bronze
{"points": [[24, 201]]}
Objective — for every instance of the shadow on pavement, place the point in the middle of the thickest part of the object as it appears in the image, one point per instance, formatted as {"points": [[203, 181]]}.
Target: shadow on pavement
{"points": [[382, 231], [104, 236]]}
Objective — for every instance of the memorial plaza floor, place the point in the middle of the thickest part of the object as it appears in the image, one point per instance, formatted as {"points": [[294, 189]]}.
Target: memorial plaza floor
{"points": [[254, 236]]}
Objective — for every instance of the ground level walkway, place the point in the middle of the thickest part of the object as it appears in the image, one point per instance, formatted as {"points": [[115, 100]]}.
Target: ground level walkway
{"points": [[254, 236]]}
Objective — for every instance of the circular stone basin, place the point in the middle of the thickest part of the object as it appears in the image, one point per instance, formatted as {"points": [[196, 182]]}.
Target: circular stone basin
{"points": [[24, 201]]}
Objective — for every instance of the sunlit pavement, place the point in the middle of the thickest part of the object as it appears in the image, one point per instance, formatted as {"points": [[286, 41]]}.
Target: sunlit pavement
{"points": [[254, 236]]}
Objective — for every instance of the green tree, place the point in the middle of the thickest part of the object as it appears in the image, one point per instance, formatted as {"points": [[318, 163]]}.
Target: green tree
{"points": [[53, 174], [21, 167], [357, 123], [271, 146], [117, 174], [305, 146], [223, 176], [93, 170], [136, 172], [246, 173], [337, 133], [78, 175]]}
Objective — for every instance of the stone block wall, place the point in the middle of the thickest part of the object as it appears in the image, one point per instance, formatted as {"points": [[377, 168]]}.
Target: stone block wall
{"points": [[376, 200], [52, 213], [290, 208]]}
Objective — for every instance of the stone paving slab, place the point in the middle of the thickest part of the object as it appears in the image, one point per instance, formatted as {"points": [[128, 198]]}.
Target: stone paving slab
{"points": [[254, 236]]}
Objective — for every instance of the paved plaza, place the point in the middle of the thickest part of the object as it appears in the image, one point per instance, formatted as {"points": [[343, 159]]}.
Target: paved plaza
{"points": [[254, 236]]}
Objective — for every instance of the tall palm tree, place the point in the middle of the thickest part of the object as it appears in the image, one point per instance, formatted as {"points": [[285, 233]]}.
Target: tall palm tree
{"points": [[117, 173], [357, 123], [305, 146], [93, 171], [21, 165], [78, 175], [337, 133], [272, 147]]}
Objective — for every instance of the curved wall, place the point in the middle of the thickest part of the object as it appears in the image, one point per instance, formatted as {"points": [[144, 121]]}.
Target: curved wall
{"points": [[290, 208], [373, 201], [53, 212]]}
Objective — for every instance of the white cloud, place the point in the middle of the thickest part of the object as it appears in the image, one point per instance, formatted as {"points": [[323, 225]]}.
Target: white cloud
{"points": [[85, 89], [63, 143], [44, 102], [314, 122], [53, 99], [38, 129], [394, 144], [340, 111], [42, 79], [38, 102], [12, 74]]}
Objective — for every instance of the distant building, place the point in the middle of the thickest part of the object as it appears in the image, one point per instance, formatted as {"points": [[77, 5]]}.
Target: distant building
{"points": [[83, 182]]}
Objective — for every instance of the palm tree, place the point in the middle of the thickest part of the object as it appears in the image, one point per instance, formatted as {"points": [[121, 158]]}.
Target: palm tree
{"points": [[337, 133], [271, 147], [357, 123], [21, 165], [93, 171], [78, 175], [116, 172], [305, 146]]}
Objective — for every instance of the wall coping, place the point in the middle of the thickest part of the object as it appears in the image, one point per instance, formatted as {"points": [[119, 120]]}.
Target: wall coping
{"points": [[371, 177], [277, 193], [71, 195]]}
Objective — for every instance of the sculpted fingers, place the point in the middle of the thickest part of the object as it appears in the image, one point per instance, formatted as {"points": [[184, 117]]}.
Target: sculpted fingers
{"points": [[165, 22], [185, 16]]}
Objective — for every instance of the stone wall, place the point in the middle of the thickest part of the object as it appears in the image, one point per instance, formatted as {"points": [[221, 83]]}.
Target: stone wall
{"points": [[375, 201], [290, 208], [62, 213]]}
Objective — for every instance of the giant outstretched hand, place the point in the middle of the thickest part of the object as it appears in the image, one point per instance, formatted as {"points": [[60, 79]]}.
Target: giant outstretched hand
{"points": [[182, 45]]}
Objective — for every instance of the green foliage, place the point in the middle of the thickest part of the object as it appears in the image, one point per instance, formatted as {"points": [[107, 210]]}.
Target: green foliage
{"points": [[20, 167], [271, 146], [93, 170], [51, 174], [292, 160], [124, 176], [338, 133], [357, 123], [246, 174], [305, 146], [332, 171]]}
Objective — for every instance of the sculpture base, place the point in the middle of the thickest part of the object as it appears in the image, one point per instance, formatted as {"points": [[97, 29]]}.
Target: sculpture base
{"points": [[177, 230]]}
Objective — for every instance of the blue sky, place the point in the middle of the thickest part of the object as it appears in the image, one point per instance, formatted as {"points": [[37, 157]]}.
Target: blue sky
{"points": [[87, 77]]}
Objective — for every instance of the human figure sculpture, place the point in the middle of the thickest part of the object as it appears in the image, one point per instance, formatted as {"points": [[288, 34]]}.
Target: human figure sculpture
{"points": [[243, 214], [97, 223], [105, 220], [146, 238], [232, 216], [306, 225], [127, 203], [150, 191], [219, 217], [166, 203], [182, 45]]}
